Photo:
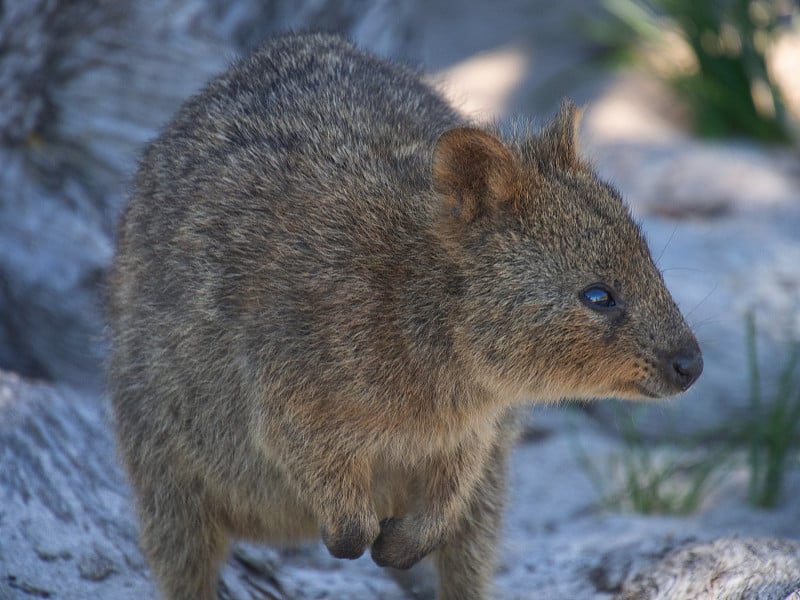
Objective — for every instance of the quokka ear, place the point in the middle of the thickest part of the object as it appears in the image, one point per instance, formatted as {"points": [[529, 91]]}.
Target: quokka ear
{"points": [[560, 137], [475, 172]]}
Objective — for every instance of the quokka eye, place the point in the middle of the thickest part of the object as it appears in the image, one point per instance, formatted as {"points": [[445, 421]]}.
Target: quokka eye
{"points": [[598, 297]]}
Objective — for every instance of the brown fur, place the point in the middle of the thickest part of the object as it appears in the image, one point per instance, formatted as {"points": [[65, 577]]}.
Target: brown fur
{"points": [[330, 295]]}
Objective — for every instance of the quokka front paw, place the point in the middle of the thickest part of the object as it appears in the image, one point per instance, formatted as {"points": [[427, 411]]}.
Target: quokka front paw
{"points": [[400, 545], [350, 536]]}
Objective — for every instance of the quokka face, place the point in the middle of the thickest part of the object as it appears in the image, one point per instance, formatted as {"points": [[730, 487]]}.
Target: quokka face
{"points": [[563, 297]]}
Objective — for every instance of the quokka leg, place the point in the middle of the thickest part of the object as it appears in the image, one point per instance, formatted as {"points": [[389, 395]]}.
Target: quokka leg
{"points": [[466, 561], [184, 541]]}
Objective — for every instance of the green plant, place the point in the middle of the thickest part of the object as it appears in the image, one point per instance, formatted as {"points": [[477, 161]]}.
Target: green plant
{"points": [[774, 428], [675, 478], [630, 24], [651, 479], [728, 89]]}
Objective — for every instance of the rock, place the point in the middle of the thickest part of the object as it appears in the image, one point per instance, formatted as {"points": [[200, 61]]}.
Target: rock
{"points": [[66, 519], [388, 28], [560, 543], [725, 569]]}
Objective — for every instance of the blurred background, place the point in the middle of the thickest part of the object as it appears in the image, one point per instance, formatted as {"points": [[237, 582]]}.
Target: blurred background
{"points": [[692, 111]]}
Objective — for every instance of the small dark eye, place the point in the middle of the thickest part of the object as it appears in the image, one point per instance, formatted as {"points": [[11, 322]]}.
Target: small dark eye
{"points": [[598, 297]]}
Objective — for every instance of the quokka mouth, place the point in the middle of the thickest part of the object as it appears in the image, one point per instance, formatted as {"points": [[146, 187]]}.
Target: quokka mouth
{"points": [[645, 391], [654, 390]]}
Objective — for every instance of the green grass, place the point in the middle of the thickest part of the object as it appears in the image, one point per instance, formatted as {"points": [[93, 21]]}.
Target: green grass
{"points": [[729, 92], [675, 478], [647, 479], [773, 432]]}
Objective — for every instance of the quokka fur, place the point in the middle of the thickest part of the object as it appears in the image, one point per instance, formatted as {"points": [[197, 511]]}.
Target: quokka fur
{"points": [[330, 296]]}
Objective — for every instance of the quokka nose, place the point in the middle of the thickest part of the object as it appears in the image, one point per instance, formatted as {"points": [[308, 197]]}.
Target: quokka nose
{"points": [[685, 366]]}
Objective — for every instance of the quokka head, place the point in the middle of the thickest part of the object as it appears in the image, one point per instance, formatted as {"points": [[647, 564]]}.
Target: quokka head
{"points": [[561, 297]]}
